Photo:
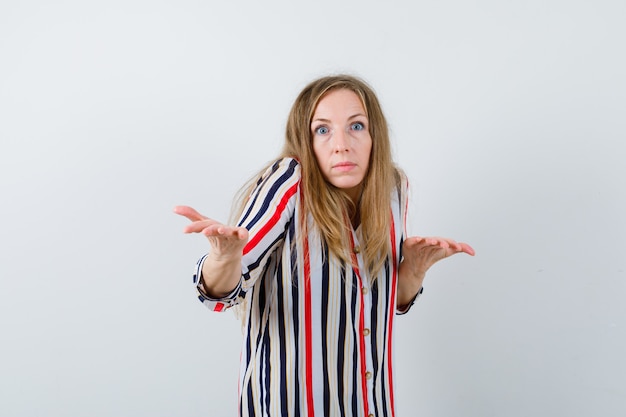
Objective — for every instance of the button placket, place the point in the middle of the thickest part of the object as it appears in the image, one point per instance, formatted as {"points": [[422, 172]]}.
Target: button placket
{"points": [[366, 325]]}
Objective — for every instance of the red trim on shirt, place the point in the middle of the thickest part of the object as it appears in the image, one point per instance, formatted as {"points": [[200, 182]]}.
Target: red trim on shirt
{"points": [[392, 310], [219, 307], [307, 328]]}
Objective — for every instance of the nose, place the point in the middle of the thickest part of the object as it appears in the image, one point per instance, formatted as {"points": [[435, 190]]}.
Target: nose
{"points": [[341, 141]]}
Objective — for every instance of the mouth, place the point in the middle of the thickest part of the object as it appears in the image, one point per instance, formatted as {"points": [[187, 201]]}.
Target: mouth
{"points": [[344, 166]]}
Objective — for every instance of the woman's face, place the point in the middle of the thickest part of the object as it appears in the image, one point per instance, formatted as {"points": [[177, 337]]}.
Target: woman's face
{"points": [[341, 140]]}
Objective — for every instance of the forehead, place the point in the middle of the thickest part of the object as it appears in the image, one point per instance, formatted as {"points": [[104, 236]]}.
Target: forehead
{"points": [[340, 101]]}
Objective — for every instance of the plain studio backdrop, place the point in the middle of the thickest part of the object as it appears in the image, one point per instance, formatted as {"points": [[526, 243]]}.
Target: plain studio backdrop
{"points": [[509, 118]]}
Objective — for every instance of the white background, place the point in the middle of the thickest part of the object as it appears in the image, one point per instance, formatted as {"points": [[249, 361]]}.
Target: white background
{"points": [[508, 116]]}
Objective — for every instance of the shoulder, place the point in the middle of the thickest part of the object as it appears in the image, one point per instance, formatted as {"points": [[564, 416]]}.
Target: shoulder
{"points": [[402, 180], [279, 176], [283, 167], [288, 163], [281, 170], [401, 184]]}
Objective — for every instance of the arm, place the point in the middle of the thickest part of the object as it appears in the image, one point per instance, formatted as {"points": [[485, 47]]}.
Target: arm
{"points": [[238, 253], [419, 254]]}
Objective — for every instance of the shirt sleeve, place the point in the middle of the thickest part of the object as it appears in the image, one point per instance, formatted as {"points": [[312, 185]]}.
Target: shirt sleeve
{"points": [[214, 304], [266, 214], [403, 198]]}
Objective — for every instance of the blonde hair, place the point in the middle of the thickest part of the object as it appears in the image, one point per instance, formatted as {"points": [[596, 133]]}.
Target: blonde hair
{"points": [[330, 207]]}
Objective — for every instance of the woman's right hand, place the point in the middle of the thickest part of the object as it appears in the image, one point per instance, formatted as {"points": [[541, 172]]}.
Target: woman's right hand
{"points": [[226, 241]]}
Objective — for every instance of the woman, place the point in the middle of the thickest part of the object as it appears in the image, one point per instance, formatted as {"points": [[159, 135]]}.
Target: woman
{"points": [[319, 261]]}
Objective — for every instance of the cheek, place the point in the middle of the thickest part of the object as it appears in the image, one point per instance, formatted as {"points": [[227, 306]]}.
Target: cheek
{"points": [[367, 151], [319, 156]]}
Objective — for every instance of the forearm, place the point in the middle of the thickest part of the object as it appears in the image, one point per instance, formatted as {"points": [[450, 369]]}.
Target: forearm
{"points": [[220, 275], [409, 284]]}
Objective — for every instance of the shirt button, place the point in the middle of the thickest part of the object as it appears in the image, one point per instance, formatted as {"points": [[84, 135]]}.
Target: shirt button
{"points": [[364, 290], [356, 249], [368, 375], [366, 332]]}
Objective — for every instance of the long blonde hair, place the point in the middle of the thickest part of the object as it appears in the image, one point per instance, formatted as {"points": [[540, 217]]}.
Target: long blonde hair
{"points": [[329, 206]]}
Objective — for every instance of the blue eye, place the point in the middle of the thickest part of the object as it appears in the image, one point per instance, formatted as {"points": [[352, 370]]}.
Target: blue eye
{"points": [[357, 126], [322, 130]]}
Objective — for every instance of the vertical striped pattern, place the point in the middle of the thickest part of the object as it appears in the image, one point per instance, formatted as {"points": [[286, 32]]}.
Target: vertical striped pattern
{"points": [[318, 334], [308, 340], [361, 326]]}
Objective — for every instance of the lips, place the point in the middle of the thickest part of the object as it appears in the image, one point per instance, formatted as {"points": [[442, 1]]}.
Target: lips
{"points": [[344, 166]]}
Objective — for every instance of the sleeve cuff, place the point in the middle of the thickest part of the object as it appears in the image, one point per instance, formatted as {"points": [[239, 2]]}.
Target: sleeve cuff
{"points": [[215, 304], [408, 307]]}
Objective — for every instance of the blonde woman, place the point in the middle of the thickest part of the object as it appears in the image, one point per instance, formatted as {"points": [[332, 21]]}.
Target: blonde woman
{"points": [[319, 261]]}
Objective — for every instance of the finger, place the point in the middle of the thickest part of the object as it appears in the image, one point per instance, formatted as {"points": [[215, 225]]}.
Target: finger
{"points": [[443, 243], [452, 244], [211, 231], [220, 230], [190, 213], [467, 249], [229, 231], [216, 229], [452, 251], [436, 241], [458, 246], [243, 233], [417, 243], [411, 241], [199, 226]]}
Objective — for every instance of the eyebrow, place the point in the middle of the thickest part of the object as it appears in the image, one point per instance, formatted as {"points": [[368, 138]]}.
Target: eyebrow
{"points": [[349, 118]]}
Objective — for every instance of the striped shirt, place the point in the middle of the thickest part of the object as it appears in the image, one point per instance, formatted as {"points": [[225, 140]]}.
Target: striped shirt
{"points": [[318, 332]]}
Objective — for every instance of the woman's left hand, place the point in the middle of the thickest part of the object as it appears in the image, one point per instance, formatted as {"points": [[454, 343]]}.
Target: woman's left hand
{"points": [[419, 254]]}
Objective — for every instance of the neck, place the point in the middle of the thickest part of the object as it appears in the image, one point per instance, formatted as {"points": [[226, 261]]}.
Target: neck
{"points": [[355, 219]]}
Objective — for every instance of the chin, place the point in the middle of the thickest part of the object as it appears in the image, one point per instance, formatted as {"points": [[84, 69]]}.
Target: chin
{"points": [[346, 186]]}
